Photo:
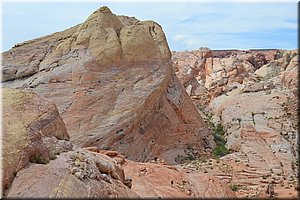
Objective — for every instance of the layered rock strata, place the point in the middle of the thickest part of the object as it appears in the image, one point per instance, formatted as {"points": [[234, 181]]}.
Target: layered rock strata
{"points": [[253, 96], [39, 161], [112, 81]]}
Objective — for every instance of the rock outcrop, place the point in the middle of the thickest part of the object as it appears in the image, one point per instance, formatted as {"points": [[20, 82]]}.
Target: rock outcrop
{"points": [[252, 95], [40, 162], [112, 81], [170, 182], [219, 71], [119, 100], [31, 126], [156, 179], [74, 174]]}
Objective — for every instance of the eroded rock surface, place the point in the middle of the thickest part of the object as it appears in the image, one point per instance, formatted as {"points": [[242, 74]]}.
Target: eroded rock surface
{"points": [[156, 179], [31, 125], [117, 90], [112, 80], [74, 174], [40, 162], [219, 71], [253, 96]]}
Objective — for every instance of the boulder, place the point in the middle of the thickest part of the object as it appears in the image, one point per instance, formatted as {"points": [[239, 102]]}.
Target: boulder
{"points": [[73, 174], [31, 127], [40, 162]]}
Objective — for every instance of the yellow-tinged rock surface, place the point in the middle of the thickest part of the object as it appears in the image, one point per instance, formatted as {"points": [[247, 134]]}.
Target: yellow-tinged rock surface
{"points": [[206, 123], [26, 120], [112, 81]]}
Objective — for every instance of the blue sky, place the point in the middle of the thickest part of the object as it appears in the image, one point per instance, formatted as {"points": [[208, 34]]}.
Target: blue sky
{"points": [[188, 25]]}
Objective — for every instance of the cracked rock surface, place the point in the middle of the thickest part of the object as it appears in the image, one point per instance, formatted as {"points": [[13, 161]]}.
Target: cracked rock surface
{"points": [[40, 161], [253, 96], [112, 81]]}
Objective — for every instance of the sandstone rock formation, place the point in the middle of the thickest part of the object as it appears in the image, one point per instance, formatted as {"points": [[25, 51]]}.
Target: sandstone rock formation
{"points": [[120, 99], [112, 81], [156, 179], [218, 71], [253, 95], [74, 174], [170, 182], [31, 126], [39, 161]]}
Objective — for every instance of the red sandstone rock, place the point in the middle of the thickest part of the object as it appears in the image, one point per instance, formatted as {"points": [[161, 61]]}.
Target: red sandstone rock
{"points": [[31, 126], [114, 87], [74, 174], [39, 162], [218, 69], [156, 179], [114, 84], [255, 102], [170, 182]]}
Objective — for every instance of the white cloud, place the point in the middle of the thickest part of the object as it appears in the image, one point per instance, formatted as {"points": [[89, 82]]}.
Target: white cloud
{"points": [[187, 25], [242, 17], [251, 25], [180, 37], [193, 43]]}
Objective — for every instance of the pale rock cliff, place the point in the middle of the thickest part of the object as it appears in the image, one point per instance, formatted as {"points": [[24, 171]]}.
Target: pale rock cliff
{"points": [[253, 95]]}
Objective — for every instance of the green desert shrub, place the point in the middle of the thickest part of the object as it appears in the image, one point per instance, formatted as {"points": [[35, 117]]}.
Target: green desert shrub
{"points": [[234, 187], [218, 134], [220, 151], [38, 159]]}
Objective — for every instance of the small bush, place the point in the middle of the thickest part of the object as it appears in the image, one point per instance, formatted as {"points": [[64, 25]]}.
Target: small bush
{"points": [[218, 134], [220, 151], [179, 159], [38, 159], [52, 157], [219, 129], [190, 157], [234, 188]]}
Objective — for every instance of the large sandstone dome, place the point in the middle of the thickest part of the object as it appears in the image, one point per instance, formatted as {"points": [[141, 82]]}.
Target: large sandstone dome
{"points": [[111, 78]]}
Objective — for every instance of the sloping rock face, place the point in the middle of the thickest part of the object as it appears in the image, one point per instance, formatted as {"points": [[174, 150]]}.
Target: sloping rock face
{"points": [[171, 182], [253, 95], [30, 126], [39, 161], [156, 179], [112, 80], [74, 174]]}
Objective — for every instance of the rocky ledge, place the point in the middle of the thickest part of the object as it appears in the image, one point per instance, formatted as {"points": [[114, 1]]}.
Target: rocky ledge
{"points": [[251, 98]]}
